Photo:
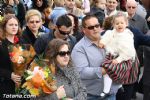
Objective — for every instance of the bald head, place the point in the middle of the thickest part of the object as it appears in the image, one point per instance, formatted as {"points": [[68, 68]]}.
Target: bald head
{"points": [[131, 6], [131, 2]]}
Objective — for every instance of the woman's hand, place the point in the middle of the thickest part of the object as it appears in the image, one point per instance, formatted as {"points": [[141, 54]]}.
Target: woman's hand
{"points": [[61, 92], [15, 78]]}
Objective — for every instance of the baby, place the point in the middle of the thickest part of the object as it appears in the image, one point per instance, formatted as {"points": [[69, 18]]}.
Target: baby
{"points": [[118, 43]]}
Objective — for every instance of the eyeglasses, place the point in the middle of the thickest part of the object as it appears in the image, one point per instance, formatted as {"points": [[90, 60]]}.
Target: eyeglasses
{"points": [[92, 27], [63, 53], [64, 33], [34, 22], [112, 2], [131, 7]]}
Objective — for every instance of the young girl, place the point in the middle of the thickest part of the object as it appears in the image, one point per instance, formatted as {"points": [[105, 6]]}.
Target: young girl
{"points": [[118, 43]]}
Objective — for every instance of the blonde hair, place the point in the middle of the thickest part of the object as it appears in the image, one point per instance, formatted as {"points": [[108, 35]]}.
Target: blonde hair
{"points": [[32, 12]]}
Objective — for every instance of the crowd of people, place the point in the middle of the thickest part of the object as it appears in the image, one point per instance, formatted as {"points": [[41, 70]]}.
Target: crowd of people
{"points": [[96, 46]]}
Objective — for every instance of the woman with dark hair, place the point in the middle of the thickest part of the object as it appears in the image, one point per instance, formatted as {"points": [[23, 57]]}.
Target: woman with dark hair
{"points": [[39, 4], [75, 24], [10, 29], [67, 79]]}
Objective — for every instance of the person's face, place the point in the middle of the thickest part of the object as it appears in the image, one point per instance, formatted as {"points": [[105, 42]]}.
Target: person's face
{"points": [[92, 29], [120, 24], [63, 56], [131, 8], [34, 23], [70, 4], [63, 31], [47, 12], [12, 27], [111, 5], [101, 4], [39, 3]]}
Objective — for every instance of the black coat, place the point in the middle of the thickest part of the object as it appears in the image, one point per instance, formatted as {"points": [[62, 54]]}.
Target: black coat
{"points": [[146, 74], [7, 86], [28, 37], [42, 42]]}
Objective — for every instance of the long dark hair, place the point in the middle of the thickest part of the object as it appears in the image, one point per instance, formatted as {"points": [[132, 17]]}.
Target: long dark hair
{"points": [[76, 22], [41, 9], [52, 50]]}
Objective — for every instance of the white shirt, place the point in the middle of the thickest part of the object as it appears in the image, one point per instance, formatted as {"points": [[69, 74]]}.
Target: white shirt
{"points": [[121, 44]]}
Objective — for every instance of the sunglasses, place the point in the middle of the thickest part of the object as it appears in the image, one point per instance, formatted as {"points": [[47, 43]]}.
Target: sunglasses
{"points": [[131, 7], [92, 27], [34, 22], [63, 53], [64, 33], [39, 0]]}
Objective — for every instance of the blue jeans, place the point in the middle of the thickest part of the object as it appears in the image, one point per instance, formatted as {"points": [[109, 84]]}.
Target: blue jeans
{"points": [[94, 97]]}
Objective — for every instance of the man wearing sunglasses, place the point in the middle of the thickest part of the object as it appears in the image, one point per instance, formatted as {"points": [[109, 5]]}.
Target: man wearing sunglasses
{"points": [[62, 30], [87, 57]]}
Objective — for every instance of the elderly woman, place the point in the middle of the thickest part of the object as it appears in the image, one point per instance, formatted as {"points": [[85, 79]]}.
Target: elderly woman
{"points": [[68, 81], [33, 26]]}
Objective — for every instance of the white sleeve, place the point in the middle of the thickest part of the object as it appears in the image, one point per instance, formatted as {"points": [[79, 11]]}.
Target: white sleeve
{"points": [[126, 47], [106, 38]]}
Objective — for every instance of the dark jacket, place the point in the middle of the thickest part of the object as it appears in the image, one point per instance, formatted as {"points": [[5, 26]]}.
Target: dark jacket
{"points": [[139, 38], [28, 37], [7, 86], [43, 40], [146, 74], [21, 13]]}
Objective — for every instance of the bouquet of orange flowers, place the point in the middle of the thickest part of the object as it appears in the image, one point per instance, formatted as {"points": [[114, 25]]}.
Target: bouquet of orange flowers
{"points": [[21, 56], [39, 78]]}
